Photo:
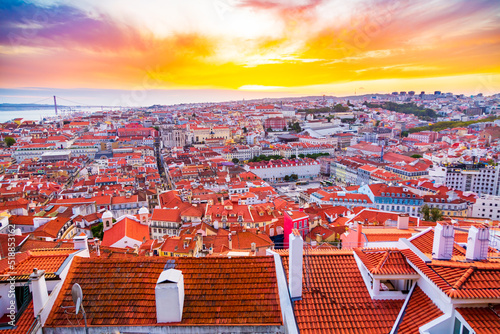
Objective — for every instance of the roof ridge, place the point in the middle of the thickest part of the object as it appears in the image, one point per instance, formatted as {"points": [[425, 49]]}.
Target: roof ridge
{"points": [[382, 261], [468, 273]]}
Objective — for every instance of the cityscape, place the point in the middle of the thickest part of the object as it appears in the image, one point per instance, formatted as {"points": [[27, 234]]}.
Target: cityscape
{"points": [[249, 167]]}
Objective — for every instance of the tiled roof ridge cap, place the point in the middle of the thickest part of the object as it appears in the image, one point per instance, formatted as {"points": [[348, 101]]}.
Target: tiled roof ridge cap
{"points": [[464, 278]]}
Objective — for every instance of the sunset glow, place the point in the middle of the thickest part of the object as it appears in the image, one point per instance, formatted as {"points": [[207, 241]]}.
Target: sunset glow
{"points": [[290, 47]]}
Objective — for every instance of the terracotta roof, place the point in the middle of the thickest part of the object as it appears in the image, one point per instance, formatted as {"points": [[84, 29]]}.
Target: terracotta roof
{"points": [[49, 260], [218, 291], [482, 319], [461, 279], [419, 311], [23, 323], [425, 240], [125, 227], [384, 261], [338, 301]]}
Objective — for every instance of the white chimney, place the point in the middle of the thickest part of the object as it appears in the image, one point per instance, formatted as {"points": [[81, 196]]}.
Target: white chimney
{"points": [[295, 264], [403, 221], [38, 290], [169, 293], [80, 242], [444, 238], [253, 247], [478, 242]]}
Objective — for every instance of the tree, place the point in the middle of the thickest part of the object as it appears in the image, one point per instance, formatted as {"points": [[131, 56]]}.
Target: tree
{"points": [[416, 156], [97, 231], [294, 177], [302, 156], [235, 160], [377, 123], [293, 156], [245, 129], [436, 214], [269, 129], [404, 134], [9, 141], [284, 128], [425, 212], [287, 178]]}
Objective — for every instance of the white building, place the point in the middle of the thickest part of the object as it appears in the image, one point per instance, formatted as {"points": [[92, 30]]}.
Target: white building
{"points": [[276, 170], [481, 179], [487, 206]]}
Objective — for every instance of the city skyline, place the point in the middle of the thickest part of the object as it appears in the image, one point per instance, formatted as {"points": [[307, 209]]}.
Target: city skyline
{"points": [[152, 53]]}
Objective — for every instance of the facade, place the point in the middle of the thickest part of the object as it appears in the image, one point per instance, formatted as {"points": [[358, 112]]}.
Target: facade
{"points": [[276, 170], [275, 123], [165, 222], [297, 220], [392, 198], [487, 207], [479, 178]]}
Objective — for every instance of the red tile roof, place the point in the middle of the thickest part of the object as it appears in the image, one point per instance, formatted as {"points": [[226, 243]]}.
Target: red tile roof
{"points": [[218, 291], [482, 319], [338, 300], [23, 323], [419, 311], [461, 279], [384, 261], [49, 260], [126, 227]]}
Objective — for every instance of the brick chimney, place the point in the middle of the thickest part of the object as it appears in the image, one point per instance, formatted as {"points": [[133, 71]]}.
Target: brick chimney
{"points": [[478, 242], [169, 295], [39, 290], [295, 264], [444, 238]]}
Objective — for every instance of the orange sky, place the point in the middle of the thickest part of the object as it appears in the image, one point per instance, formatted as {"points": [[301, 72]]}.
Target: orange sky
{"points": [[292, 47]]}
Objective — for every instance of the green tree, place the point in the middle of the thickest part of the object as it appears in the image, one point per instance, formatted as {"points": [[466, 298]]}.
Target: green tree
{"points": [[404, 134], [287, 178], [293, 156], [269, 129], [245, 129], [426, 212], [235, 160], [97, 231], [377, 123], [416, 156], [436, 214], [9, 141], [284, 128], [294, 177], [302, 156]]}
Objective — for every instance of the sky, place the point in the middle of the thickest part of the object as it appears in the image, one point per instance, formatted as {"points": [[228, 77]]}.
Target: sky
{"points": [[129, 52]]}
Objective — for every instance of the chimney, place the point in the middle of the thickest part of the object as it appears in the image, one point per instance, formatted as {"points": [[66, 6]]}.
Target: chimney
{"points": [[39, 290], [230, 241], [295, 265], [169, 295], [254, 247], [359, 235], [80, 242], [403, 221], [444, 238], [477, 243]]}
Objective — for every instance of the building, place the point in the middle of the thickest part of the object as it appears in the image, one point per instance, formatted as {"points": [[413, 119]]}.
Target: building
{"points": [[393, 198], [479, 178], [276, 170], [275, 123], [295, 220], [424, 136], [487, 206]]}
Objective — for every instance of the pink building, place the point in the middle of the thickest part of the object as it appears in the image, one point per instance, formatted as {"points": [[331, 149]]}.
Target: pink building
{"points": [[295, 220]]}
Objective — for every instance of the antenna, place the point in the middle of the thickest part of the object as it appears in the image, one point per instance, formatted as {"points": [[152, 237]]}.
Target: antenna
{"points": [[77, 295]]}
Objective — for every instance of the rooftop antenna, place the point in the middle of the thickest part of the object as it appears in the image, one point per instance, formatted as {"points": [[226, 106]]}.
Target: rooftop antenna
{"points": [[77, 295]]}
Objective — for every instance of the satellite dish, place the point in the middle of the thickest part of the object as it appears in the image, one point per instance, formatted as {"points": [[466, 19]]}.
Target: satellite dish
{"points": [[77, 295]]}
